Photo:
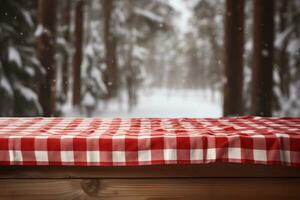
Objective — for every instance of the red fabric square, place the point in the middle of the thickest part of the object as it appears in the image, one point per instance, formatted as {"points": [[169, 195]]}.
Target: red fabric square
{"points": [[221, 142], [131, 144], [27, 144], [183, 143], [157, 143], [3, 143], [53, 144], [272, 143], [246, 142], [105, 144], [79, 144], [295, 144]]}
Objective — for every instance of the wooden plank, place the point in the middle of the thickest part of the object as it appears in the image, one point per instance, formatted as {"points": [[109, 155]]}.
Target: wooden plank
{"points": [[204, 170], [150, 189]]}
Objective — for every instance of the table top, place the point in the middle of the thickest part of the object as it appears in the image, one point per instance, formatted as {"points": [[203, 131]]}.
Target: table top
{"points": [[149, 141]]}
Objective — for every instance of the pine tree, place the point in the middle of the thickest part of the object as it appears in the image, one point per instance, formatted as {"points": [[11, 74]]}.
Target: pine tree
{"points": [[19, 67], [92, 87], [210, 34], [143, 22]]}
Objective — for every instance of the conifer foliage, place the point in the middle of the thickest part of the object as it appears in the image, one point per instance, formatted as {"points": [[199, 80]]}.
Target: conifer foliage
{"points": [[19, 67]]}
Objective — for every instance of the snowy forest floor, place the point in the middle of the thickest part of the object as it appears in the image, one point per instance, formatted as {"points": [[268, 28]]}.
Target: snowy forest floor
{"points": [[158, 103]]}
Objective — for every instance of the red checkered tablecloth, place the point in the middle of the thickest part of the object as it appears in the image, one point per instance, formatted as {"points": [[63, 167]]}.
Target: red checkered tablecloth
{"points": [[149, 141]]}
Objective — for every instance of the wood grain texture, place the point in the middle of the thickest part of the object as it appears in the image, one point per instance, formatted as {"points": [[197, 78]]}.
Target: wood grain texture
{"points": [[211, 181], [150, 189], [158, 171]]}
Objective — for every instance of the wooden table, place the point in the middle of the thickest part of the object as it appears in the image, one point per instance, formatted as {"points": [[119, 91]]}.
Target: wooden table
{"points": [[207, 181]]}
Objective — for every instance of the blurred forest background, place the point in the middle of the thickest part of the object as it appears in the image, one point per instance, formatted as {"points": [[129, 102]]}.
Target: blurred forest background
{"points": [[149, 58]]}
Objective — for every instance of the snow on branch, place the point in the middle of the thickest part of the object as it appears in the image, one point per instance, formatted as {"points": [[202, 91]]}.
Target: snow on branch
{"points": [[6, 85], [14, 56], [294, 46], [27, 17], [281, 38], [149, 15], [40, 30], [28, 94]]}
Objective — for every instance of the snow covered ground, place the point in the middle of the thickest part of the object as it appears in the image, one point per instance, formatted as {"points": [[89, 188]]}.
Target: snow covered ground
{"points": [[161, 103]]}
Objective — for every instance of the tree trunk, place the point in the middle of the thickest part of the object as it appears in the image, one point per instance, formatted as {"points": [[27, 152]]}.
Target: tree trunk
{"points": [[262, 66], [283, 55], [216, 60], [78, 53], [66, 34], [45, 53], [233, 60], [110, 73]]}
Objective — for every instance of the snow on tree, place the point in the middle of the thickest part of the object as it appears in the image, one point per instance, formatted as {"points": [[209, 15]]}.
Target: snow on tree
{"points": [[287, 60], [208, 27], [138, 23], [19, 67], [132, 28]]}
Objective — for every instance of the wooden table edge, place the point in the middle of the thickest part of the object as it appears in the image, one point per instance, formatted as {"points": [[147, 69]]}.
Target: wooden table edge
{"points": [[217, 170]]}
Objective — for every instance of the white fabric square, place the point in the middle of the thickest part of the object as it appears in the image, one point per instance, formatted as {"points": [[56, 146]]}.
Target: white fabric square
{"points": [[211, 154], [170, 154], [93, 156], [257, 136], [281, 135], [119, 136], [67, 156], [196, 154], [67, 136], [259, 155], [118, 156], [41, 156], [15, 155], [144, 155], [234, 153]]}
